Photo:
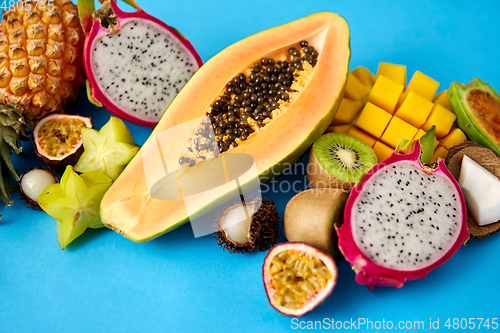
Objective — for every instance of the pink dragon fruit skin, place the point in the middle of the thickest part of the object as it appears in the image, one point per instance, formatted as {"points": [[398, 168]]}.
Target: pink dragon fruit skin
{"points": [[368, 271], [97, 31]]}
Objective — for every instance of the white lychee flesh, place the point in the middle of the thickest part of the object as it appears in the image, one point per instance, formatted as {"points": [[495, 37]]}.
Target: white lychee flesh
{"points": [[35, 181], [481, 191], [237, 224]]}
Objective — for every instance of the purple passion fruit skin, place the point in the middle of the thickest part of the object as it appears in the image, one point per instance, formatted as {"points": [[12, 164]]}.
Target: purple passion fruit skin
{"points": [[298, 277], [58, 141], [108, 150]]}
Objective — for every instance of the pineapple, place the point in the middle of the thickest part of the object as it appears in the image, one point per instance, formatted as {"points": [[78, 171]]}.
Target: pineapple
{"points": [[41, 56], [41, 69]]}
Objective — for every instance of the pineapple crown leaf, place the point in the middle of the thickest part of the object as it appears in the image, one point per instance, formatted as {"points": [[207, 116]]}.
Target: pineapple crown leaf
{"points": [[5, 152], [4, 194], [10, 137]]}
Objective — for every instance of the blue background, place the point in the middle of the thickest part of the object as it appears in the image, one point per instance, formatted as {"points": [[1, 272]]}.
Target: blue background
{"points": [[104, 282]]}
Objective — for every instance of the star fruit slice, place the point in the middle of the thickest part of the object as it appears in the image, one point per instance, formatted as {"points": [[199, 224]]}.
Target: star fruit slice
{"points": [[108, 150], [74, 203]]}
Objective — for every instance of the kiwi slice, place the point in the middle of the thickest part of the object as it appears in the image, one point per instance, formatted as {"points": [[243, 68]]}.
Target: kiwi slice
{"points": [[343, 157]]}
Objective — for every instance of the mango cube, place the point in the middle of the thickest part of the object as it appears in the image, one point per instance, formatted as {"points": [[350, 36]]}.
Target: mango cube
{"points": [[442, 118], [393, 72], [420, 133], [423, 85], [357, 133], [415, 109], [442, 99], [355, 89], [347, 111], [382, 150], [440, 152], [338, 129], [364, 75], [397, 130], [455, 137], [373, 120], [385, 93]]}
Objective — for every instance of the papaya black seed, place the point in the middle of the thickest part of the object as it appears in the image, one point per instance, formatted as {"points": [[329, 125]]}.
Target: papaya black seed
{"points": [[304, 43]]}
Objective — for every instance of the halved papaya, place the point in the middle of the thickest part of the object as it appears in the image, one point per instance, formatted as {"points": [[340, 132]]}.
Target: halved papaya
{"points": [[129, 206]]}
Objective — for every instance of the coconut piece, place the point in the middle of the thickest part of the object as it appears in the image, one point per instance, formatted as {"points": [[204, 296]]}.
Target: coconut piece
{"points": [[481, 189], [246, 227], [488, 159]]}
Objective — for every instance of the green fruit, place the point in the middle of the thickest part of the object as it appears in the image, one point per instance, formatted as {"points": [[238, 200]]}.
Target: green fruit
{"points": [[477, 106], [108, 150], [339, 161], [74, 203]]}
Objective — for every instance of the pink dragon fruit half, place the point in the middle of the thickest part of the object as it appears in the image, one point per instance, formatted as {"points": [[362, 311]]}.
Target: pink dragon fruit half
{"points": [[402, 221], [135, 64]]}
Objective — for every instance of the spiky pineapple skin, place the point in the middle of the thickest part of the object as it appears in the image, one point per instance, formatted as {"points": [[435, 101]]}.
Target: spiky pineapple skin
{"points": [[41, 64]]}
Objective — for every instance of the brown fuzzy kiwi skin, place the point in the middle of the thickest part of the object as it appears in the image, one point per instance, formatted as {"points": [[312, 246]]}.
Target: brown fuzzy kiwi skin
{"points": [[491, 162], [318, 177], [27, 201], [263, 229], [311, 215]]}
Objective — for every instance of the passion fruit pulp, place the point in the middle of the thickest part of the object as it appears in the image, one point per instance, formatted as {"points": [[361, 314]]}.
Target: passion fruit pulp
{"points": [[58, 139], [298, 277]]}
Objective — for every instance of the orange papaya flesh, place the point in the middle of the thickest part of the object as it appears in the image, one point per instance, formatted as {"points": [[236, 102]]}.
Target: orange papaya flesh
{"points": [[129, 207]]}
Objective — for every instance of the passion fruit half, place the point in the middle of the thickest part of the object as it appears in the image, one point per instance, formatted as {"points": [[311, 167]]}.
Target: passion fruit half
{"points": [[58, 139], [298, 277]]}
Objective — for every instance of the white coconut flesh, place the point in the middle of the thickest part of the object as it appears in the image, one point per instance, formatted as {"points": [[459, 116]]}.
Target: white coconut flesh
{"points": [[481, 191], [35, 181], [406, 219], [237, 223], [142, 67]]}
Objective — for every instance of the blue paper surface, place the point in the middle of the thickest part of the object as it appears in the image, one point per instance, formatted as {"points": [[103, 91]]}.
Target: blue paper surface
{"points": [[103, 282]]}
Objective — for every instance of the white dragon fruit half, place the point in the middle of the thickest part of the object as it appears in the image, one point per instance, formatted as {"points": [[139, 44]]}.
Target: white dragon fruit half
{"points": [[135, 64], [402, 221]]}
